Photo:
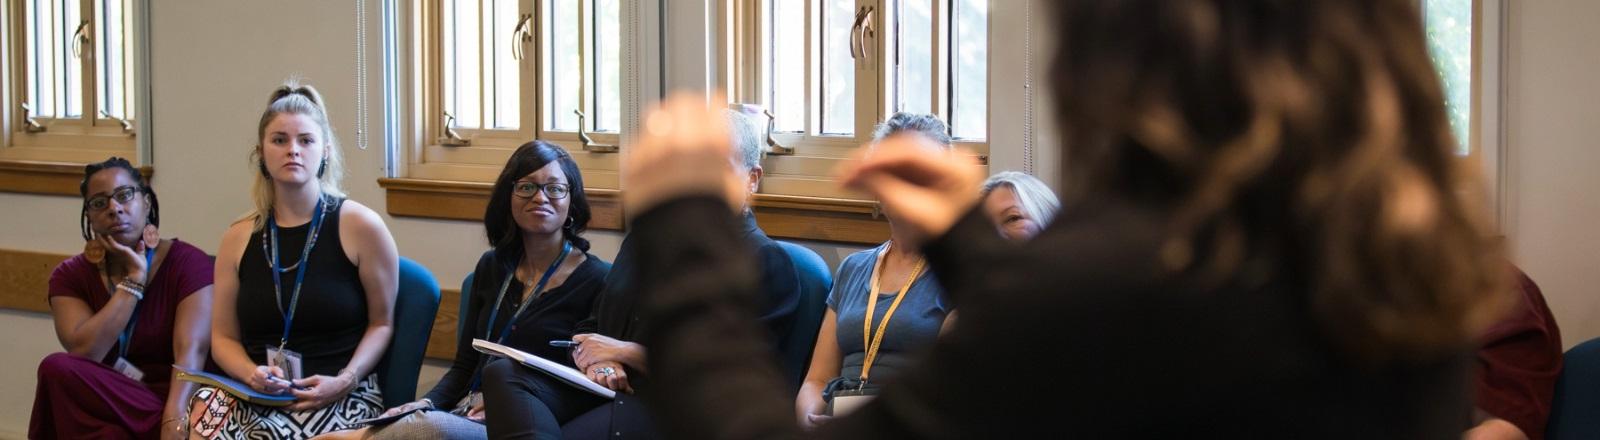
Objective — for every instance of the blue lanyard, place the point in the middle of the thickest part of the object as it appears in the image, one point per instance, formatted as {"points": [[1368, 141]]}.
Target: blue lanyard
{"points": [[300, 272], [504, 331], [124, 339], [566, 247]]}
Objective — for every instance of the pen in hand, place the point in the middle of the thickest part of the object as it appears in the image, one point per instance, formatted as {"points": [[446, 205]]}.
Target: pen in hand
{"points": [[564, 344]]}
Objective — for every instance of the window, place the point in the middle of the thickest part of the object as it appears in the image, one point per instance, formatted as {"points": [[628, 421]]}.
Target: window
{"points": [[495, 74], [1449, 27], [829, 70], [73, 97]]}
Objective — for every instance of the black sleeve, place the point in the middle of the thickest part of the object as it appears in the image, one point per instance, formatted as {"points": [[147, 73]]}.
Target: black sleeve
{"points": [[780, 286], [698, 286], [455, 383], [962, 257], [591, 324]]}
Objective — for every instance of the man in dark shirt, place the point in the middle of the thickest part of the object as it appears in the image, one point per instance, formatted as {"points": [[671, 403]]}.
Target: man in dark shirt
{"points": [[614, 314]]}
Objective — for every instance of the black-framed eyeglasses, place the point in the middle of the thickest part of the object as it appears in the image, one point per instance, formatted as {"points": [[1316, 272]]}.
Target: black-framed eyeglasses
{"points": [[552, 191], [123, 195]]}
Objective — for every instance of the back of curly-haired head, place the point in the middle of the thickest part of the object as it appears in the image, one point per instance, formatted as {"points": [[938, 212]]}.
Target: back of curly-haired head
{"points": [[1308, 134]]}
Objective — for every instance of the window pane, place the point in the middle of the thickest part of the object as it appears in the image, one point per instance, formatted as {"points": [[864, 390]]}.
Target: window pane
{"points": [[503, 84], [462, 62], [970, 75], [914, 71], [55, 74], [562, 71], [1449, 27], [607, 66], [111, 34], [786, 64], [839, 70]]}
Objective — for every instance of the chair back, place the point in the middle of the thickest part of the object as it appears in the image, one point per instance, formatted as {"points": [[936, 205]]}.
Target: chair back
{"points": [[816, 279], [1575, 411], [415, 305]]}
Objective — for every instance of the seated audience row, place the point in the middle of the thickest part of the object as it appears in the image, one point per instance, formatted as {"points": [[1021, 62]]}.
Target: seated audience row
{"points": [[1229, 261]]}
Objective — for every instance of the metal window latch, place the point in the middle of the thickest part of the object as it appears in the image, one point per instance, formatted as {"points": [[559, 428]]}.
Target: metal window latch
{"points": [[588, 143], [773, 147], [80, 38], [127, 126], [860, 32], [451, 138], [521, 35], [29, 124]]}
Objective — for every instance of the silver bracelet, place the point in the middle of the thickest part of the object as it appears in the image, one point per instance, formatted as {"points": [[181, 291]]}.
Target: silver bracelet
{"points": [[137, 294]]}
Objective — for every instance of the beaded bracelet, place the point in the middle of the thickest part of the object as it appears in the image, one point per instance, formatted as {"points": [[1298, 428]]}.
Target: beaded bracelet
{"points": [[138, 294]]}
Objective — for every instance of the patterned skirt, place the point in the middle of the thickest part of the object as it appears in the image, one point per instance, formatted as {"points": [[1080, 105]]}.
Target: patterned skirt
{"points": [[226, 417]]}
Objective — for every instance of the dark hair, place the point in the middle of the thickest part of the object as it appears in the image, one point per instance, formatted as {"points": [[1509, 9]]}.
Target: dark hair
{"points": [[920, 123], [1313, 130], [504, 235], [114, 163]]}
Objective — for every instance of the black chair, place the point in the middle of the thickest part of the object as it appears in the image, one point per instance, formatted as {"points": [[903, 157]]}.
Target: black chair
{"points": [[816, 279], [1575, 411]]}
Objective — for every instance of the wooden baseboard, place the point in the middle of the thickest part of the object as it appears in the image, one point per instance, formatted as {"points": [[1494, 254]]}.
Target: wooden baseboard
{"points": [[442, 340], [25, 277]]}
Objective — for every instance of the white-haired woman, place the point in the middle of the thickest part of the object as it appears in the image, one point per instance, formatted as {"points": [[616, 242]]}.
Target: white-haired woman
{"points": [[1019, 204]]}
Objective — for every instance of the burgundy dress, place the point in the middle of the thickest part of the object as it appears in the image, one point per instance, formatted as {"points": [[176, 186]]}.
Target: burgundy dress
{"points": [[85, 398]]}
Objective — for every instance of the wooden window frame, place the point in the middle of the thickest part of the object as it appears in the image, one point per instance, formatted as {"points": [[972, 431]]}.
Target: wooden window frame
{"points": [[482, 160], [741, 51], [51, 161]]}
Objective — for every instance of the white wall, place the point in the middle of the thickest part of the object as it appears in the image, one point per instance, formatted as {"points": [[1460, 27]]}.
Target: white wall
{"points": [[1552, 156]]}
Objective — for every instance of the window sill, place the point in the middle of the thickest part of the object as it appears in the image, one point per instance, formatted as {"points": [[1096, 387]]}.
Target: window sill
{"points": [[45, 177], [793, 217]]}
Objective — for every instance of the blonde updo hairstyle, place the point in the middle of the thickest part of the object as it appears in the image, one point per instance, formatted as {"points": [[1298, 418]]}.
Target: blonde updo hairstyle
{"points": [[294, 98]]}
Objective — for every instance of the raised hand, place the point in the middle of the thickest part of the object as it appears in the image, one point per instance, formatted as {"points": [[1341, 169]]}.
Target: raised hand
{"points": [[684, 150], [922, 188]]}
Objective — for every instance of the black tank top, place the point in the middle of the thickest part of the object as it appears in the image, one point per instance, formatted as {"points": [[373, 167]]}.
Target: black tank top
{"points": [[332, 314]]}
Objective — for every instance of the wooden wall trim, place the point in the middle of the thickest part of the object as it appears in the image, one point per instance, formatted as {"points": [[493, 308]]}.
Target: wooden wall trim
{"points": [[48, 178], [442, 340], [451, 200], [781, 216], [25, 278]]}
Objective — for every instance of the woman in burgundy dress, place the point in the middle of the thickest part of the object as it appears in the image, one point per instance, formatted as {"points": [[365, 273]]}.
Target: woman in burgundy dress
{"points": [[126, 309]]}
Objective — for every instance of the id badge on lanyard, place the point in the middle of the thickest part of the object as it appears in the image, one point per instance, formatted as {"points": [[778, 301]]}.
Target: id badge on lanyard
{"points": [[280, 356]]}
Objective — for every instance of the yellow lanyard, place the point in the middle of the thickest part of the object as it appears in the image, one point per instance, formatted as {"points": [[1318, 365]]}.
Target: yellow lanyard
{"points": [[873, 341]]}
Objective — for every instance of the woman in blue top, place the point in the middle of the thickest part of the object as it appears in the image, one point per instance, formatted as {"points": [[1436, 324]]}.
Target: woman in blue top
{"points": [[891, 284]]}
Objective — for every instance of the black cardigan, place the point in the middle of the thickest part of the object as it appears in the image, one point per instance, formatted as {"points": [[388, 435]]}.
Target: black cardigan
{"points": [[1079, 333], [551, 316]]}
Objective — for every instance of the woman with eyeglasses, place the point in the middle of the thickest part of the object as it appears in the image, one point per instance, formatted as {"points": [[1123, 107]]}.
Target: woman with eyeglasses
{"points": [[127, 309], [306, 286], [530, 289]]}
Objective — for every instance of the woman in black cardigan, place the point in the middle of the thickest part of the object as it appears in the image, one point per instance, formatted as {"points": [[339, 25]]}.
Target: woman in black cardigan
{"points": [[1265, 239]]}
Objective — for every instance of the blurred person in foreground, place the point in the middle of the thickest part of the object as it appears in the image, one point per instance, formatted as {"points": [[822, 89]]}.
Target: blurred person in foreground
{"points": [[1263, 237]]}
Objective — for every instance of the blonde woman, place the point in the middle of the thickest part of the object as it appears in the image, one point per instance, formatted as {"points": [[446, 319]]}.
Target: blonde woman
{"points": [[305, 288]]}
